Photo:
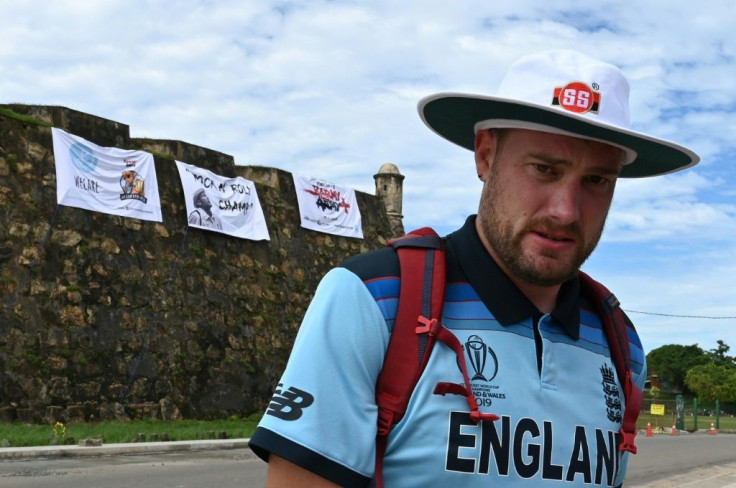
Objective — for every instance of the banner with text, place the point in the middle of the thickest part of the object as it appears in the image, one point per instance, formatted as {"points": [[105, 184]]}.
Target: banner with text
{"points": [[329, 208], [220, 204], [105, 179]]}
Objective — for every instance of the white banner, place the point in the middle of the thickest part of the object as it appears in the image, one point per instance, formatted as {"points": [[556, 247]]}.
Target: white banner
{"points": [[329, 208], [105, 179], [226, 205]]}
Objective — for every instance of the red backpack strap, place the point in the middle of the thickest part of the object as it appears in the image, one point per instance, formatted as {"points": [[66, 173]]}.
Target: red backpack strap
{"points": [[422, 293], [614, 326]]}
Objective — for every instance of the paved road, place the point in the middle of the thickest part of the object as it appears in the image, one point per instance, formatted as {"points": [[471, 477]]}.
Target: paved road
{"points": [[691, 461], [228, 468], [694, 461]]}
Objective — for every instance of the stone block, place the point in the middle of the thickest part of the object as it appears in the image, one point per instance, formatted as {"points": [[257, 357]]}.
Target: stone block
{"points": [[90, 442], [7, 414]]}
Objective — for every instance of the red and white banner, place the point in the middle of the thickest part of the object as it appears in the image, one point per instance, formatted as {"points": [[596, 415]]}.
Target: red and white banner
{"points": [[105, 179], [220, 204], [326, 207]]}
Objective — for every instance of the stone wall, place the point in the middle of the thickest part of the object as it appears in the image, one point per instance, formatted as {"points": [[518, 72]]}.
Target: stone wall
{"points": [[106, 317]]}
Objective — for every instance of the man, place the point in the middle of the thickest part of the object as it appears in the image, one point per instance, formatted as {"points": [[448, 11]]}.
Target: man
{"points": [[549, 150], [131, 183], [202, 215]]}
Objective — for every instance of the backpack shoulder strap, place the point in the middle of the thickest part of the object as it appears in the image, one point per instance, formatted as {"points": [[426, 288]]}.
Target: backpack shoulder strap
{"points": [[615, 328], [421, 296]]}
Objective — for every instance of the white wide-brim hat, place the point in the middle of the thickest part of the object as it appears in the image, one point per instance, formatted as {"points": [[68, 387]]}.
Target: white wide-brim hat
{"points": [[561, 92]]}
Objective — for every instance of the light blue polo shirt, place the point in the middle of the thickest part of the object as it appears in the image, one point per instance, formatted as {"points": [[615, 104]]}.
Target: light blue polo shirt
{"points": [[549, 377]]}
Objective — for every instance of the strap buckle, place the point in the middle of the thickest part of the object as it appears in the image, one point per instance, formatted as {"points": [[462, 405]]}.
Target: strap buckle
{"points": [[429, 326], [476, 416], [627, 441]]}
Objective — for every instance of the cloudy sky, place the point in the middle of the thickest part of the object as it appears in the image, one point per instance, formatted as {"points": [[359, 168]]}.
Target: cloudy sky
{"points": [[328, 88]]}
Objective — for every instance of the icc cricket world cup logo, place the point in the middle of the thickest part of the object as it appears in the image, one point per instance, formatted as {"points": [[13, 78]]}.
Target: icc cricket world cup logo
{"points": [[478, 355]]}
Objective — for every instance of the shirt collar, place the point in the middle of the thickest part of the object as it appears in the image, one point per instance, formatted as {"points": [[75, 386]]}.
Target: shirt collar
{"points": [[499, 294]]}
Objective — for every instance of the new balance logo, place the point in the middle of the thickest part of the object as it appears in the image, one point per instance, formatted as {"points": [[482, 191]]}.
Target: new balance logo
{"points": [[289, 404]]}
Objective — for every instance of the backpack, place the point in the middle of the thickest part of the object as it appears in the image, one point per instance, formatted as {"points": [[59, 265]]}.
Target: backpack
{"points": [[417, 328]]}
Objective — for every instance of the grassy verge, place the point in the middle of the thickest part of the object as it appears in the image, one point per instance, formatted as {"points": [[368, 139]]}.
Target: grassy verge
{"points": [[18, 434], [21, 435]]}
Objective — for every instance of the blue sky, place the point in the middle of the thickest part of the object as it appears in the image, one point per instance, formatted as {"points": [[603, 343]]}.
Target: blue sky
{"points": [[329, 89]]}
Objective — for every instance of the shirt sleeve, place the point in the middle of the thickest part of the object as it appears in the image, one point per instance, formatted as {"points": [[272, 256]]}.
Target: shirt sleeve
{"points": [[323, 413]]}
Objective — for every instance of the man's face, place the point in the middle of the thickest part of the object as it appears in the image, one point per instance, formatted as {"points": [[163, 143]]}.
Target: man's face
{"points": [[129, 176], [544, 202], [204, 201]]}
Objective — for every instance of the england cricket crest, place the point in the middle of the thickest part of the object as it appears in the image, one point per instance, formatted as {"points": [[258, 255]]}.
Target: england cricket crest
{"points": [[611, 394]]}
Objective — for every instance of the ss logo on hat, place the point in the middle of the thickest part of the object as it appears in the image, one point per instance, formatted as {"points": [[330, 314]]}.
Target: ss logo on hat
{"points": [[577, 97]]}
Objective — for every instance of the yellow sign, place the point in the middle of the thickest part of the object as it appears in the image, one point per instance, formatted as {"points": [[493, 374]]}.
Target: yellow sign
{"points": [[657, 409]]}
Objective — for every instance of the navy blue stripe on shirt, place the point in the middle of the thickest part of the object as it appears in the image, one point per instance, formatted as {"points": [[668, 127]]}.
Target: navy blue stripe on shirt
{"points": [[589, 321], [385, 292], [464, 310]]}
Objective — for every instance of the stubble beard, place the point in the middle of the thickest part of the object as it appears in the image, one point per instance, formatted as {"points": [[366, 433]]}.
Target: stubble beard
{"points": [[540, 270]]}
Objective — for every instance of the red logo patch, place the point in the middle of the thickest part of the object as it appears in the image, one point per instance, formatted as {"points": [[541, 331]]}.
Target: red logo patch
{"points": [[577, 97]]}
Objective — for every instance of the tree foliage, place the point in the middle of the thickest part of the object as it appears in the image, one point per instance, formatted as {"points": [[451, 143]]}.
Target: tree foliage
{"points": [[671, 362], [720, 357], [712, 381]]}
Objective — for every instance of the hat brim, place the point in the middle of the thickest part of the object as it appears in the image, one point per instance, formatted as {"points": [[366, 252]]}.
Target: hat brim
{"points": [[454, 115]]}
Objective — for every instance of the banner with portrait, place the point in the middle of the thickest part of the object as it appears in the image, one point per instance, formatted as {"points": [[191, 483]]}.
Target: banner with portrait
{"points": [[105, 179], [326, 207], [221, 204]]}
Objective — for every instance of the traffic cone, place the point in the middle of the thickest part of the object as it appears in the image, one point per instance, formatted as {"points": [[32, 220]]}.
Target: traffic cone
{"points": [[712, 429], [674, 430], [649, 429]]}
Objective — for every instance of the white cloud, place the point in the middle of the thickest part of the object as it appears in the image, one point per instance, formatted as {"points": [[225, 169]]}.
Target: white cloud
{"points": [[651, 209], [329, 89]]}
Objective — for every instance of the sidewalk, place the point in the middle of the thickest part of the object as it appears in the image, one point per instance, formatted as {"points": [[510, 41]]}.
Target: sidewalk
{"points": [[706, 477], [116, 449]]}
